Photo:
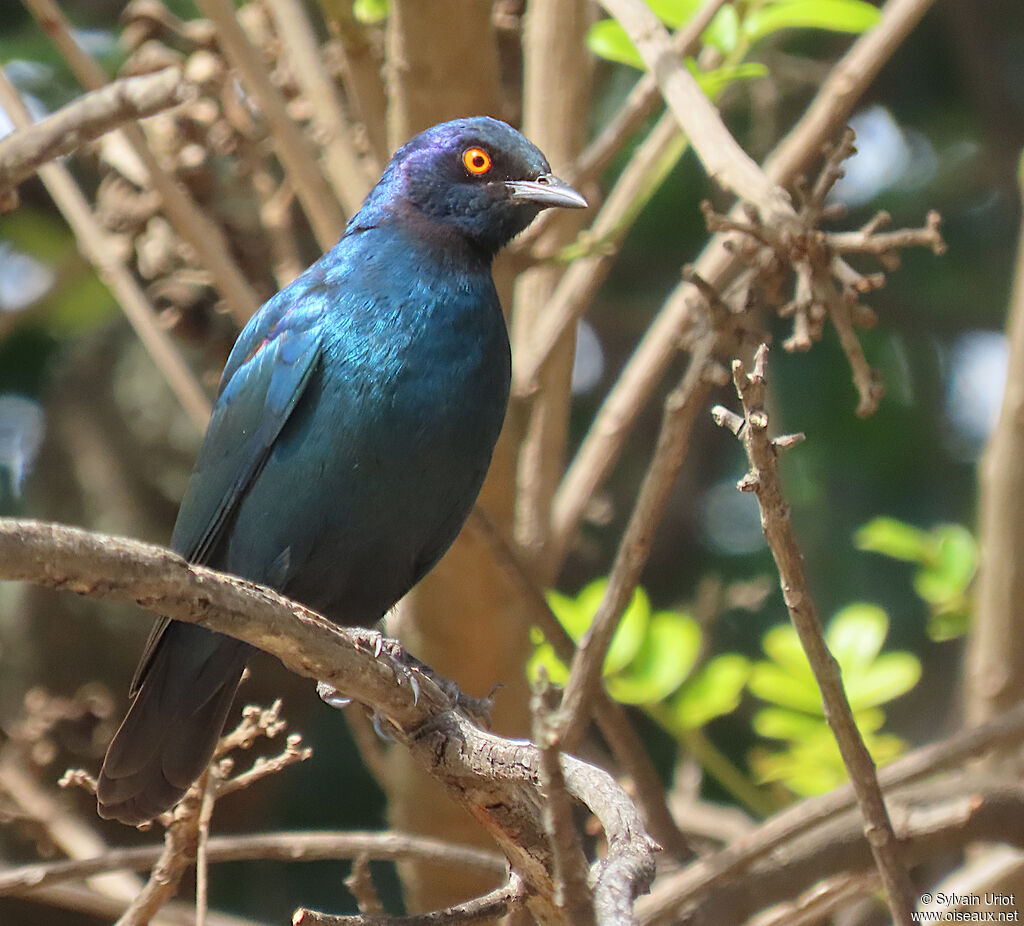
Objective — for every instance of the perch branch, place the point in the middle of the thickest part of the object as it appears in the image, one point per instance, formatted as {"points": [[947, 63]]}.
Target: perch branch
{"points": [[611, 717], [497, 780]]}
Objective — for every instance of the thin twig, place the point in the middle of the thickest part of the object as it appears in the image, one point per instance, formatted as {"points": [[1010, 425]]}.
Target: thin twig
{"points": [[292, 148], [343, 166], [763, 480], [285, 847], [86, 118], [81, 899], [643, 99], [933, 820], [495, 904], [95, 245], [682, 407], [180, 842], [572, 892], [360, 69], [66, 830], [639, 180], [614, 724], [554, 51], [204, 236], [723, 159], [360, 885]]}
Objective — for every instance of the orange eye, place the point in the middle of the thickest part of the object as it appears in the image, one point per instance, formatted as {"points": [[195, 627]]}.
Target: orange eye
{"points": [[477, 161]]}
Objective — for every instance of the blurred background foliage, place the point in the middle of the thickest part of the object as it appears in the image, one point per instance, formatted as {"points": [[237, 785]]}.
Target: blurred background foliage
{"points": [[884, 507]]}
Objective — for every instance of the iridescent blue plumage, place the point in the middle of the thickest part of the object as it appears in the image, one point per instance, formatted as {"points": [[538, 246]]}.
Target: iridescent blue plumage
{"points": [[355, 423]]}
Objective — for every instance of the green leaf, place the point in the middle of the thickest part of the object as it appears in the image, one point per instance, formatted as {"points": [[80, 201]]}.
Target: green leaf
{"points": [[856, 635], [894, 539], [887, 678], [724, 31], [544, 657], [666, 657], [782, 645], [673, 13], [774, 684], [946, 577], [778, 723], [370, 12], [714, 82], [946, 625], [577, 614], [608, 40], [713, 692], [852, 16]]}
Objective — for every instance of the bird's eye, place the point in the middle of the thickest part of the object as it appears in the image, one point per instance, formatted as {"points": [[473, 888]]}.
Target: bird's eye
{"points": [[477, 161]]}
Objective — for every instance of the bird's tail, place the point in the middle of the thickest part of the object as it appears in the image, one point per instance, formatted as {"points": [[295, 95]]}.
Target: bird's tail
{"points": [[173, 724]]}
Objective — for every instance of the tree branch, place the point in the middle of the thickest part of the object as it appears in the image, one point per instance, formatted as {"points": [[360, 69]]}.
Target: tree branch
{"points": [[706, 875], [284, 847], [297, 158], [763, 479], [497, 780], [659, 346], [490, 906], [87, 118], [724, 160]]}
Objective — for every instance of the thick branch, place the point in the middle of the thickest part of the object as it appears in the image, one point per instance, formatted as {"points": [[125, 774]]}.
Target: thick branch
{"points": [[497, 780]]}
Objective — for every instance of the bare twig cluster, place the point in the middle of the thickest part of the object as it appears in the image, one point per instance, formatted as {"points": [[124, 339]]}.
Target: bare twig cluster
{"points": [[825, 285]]}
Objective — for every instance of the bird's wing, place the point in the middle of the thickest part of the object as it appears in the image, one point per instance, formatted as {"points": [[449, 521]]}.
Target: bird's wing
{"points": [[265, 378]]}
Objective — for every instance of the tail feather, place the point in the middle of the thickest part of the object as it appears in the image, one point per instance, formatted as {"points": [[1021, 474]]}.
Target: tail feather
{"points": [[172, 727]]}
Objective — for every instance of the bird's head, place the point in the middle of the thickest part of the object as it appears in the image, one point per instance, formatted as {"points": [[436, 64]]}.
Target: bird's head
{"points": [[476, 177]]}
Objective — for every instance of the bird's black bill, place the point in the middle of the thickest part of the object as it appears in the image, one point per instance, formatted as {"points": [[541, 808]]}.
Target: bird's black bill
{"points": [[546, 190]]}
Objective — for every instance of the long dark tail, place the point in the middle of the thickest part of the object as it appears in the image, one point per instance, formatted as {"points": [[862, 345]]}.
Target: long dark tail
{"points": [[173, 724]]}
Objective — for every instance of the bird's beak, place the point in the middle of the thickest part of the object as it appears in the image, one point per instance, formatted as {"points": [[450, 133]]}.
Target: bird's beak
{"points": [[547, 190]]}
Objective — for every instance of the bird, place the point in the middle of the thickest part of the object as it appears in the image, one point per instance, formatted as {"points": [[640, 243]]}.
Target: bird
{"points": [[354, 423]]}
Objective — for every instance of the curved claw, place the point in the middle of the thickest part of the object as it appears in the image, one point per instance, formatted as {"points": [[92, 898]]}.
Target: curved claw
{"points": [[378, 726], [331, 696]]}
